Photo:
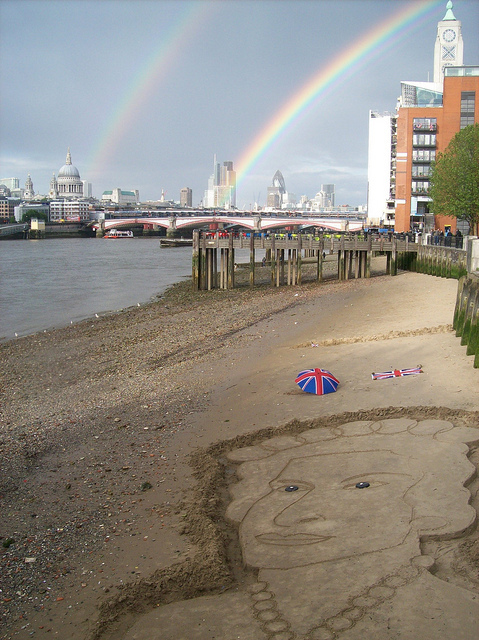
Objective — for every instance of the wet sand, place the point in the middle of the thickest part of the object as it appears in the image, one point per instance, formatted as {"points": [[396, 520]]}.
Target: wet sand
{"points": [[99, 421]]}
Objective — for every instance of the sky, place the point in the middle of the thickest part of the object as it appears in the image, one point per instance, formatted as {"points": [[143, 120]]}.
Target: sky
{"points": [[145, 93]]}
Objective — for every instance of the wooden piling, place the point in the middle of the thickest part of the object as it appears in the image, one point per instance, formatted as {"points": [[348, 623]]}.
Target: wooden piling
{"points": [[195, 267], [251, 260], [231, 263], [273, 261]]}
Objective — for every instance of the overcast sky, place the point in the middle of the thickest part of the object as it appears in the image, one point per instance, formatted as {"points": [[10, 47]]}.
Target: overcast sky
{"points": [[146, 92]]}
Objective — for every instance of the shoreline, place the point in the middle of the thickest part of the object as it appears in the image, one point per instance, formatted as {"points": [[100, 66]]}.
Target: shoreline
{"points": [[79, 393], [242, 277], [96, 441]]}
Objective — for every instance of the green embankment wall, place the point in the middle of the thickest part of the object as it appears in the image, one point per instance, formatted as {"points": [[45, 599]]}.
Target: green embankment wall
{"points": [[466, 315], [444, 262]]}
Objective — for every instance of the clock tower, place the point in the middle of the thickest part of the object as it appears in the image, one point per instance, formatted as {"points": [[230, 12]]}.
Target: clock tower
{"points": [[449, 47]]}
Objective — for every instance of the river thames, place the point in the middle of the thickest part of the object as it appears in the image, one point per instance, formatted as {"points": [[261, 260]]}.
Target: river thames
{"points": [[53, 282]]}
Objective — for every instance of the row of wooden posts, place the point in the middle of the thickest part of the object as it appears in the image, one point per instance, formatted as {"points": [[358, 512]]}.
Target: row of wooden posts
{"points": [[466, 314], [213, 262]]}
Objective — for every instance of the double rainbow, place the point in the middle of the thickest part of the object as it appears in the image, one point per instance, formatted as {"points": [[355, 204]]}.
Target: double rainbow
{"points": [[189, 20], [366, 48]]}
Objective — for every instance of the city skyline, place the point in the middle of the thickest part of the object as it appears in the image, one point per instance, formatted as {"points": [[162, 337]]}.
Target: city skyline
{"points": [[147, 94]]}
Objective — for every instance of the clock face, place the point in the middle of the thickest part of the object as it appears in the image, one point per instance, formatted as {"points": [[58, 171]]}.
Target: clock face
{"points": [[449, 35]]}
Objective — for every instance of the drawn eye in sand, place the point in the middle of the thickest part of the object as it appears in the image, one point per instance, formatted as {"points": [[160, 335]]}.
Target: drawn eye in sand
{"points": [[298, 487], [371, 480]]}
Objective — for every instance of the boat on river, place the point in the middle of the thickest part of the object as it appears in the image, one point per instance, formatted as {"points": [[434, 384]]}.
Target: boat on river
{"points": [[176, 242], [116, 233]]}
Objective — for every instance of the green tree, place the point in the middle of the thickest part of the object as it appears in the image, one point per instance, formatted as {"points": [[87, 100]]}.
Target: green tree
{"points": [[34, 213], [454, 186]]}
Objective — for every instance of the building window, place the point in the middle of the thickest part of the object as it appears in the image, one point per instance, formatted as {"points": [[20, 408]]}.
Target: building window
{"points": [[419, 188], [468, 103], [423, 155], [424, 140], [421, 171], [424, 124]]}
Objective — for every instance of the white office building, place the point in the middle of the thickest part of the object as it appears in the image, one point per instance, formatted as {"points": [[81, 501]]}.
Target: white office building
{"points": [[118, 196], [69, 211], [380, 152]]}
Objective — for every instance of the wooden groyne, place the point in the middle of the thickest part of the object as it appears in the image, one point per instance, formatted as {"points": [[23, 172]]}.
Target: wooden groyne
{"points": [[213, 263], [466, 314], [445, 262]]}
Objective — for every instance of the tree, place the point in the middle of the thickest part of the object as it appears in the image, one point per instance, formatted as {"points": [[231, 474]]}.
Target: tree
{"points": [[34, 213], [454, 186]]}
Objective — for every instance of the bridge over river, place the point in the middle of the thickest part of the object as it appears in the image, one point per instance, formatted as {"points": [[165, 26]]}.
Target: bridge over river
{"points": [[178, 221]]}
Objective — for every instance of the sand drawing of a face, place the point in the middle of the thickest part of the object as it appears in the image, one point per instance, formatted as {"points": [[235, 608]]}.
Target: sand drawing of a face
{"points": [[332, 521], [327, 517], [368, 486]]}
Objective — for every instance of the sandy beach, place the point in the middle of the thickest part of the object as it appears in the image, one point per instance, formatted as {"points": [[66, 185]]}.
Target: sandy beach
{"points": [[111, 428]]}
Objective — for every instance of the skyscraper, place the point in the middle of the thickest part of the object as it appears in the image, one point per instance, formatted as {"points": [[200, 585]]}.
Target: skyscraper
{"points": [[186, 197], [221, 190], [276, 191], [327, 195]]}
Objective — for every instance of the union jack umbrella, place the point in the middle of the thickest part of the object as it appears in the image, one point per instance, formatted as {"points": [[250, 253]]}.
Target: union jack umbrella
{"points": [[318, 381], [397, 373]]}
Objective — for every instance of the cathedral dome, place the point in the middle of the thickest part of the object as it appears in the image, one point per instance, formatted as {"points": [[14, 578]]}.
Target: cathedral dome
{"points": [[68, 171], [68, 184]]}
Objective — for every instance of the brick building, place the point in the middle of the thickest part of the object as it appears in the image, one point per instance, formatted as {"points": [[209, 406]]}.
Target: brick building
{"points": [[428, 116], [422, 132]]}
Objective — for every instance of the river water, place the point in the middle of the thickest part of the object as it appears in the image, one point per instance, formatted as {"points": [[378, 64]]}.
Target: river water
{"points": [[53, 282]]}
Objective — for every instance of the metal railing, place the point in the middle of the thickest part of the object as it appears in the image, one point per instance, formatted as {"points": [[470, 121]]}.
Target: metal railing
{"points": [[456, 241]]}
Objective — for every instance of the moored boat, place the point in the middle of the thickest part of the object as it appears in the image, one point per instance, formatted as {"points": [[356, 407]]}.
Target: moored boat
{"points": [[176, 242], [116, 233]]}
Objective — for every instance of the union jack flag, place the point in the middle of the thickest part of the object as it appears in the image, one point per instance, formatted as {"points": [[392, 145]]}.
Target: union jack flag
{"points": [[318, 381], [397, 373]]}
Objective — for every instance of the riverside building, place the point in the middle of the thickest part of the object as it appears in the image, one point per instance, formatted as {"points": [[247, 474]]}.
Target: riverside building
{"points": [[427, 117], [69, 211], [117, 196]]}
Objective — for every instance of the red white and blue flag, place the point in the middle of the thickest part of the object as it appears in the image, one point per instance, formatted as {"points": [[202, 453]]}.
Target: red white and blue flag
{"points": [[318, 381], [397, 373]]}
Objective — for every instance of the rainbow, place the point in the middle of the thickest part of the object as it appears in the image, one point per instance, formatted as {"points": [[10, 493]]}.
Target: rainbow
{"points": [[187, 22], [369, 46]]}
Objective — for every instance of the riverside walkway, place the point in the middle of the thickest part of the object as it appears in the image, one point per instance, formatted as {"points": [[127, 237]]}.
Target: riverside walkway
{"points": [[213, 259], [9, 230], [214, 256]]}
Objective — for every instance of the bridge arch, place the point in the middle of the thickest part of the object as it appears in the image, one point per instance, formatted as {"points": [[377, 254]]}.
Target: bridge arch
{"points": [[250, 222]]}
